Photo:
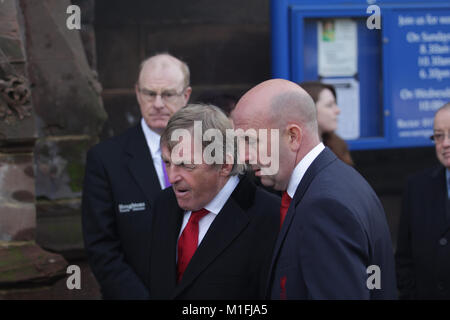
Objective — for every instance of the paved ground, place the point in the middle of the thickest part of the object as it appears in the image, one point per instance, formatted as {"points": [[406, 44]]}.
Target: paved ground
{"points": [[58, 291]]}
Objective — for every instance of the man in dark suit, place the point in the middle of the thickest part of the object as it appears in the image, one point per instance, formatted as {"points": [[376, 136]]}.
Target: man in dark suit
{"points": [[213, 232], [334, 241], [423, 249], [123, 175]]}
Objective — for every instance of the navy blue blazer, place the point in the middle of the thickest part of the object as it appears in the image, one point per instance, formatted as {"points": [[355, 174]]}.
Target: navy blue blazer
{"points": [[423, 248], [119, 187], [335, 228], [233, 258]]}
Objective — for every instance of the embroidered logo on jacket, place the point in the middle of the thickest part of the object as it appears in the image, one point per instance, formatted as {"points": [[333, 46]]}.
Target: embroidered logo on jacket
{"points": [[134, 206]]}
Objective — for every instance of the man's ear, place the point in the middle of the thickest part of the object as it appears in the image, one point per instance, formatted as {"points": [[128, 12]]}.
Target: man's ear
{"points": [[136, 90], [226, 168], [187, 94], [295, 136]]}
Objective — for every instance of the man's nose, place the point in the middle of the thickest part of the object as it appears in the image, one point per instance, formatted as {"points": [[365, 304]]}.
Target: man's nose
{"points": [[173, 174], [446, 141], [159, 102]]}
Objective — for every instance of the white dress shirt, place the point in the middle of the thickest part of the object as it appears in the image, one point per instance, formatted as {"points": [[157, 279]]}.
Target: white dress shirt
{"points": [[153, 139], [301, 167], [213, 207]]}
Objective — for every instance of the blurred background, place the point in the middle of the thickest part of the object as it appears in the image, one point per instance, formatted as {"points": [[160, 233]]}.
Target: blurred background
{"points": [[69, 89]]}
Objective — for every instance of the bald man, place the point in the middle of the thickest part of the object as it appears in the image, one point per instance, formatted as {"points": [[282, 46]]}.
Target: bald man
{"points": [[123, 175], [334, 241]]}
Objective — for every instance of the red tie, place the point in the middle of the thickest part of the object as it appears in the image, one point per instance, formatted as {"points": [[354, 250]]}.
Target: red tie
{"points": [[285, 202], [188, 242]]}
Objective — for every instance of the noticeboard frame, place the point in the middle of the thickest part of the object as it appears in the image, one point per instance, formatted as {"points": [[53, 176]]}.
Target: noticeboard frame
{"points": [[288, 18]]}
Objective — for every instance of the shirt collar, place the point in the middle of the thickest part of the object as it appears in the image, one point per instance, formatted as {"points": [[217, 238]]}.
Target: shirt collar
{"points": [[301, 167], [152, 139], [217, 203]]}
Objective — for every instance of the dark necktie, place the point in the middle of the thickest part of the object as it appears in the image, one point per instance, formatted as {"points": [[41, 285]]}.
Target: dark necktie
{"points": [[285, 202], [188, 242]]}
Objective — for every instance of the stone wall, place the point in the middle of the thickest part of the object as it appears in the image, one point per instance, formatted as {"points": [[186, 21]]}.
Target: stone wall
{"points": [[69, 115], [17, 132]]}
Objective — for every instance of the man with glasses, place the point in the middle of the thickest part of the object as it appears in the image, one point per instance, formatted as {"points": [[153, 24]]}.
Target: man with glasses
{"points": [[123, 175], [423, 248]]}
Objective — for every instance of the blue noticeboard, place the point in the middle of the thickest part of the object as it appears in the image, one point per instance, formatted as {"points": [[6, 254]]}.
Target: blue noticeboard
{"points": [[400, 73]]}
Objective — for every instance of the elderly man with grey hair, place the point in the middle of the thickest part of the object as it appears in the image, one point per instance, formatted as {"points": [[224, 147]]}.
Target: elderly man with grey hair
{"points": [[213, 231]]}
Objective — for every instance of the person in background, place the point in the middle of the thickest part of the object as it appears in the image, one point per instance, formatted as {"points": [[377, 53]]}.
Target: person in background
{"points": [[123, 175], [423, 245], [324, 96]]}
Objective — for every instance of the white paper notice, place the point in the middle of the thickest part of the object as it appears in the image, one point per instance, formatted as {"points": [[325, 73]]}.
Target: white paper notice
{"points": [[337, 48], [347, 92]]}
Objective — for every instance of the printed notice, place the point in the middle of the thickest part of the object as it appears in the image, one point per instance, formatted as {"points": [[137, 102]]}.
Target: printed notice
{"points": [[420, 72], [337, 48], [347, 92]]}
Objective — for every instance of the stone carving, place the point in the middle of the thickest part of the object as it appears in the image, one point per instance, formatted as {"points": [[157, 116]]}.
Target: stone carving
{"points": [[14, 97]]}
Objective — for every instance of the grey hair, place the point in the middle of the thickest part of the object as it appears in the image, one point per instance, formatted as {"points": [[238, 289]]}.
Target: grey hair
{"points": [[182, 65], [211, 117], [444, 107]]}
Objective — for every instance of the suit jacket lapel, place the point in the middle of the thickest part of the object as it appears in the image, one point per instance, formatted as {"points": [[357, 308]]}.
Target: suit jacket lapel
{"points": [[164, 246], [175, 225], [228, 224], [141, 164], [325, 158]]}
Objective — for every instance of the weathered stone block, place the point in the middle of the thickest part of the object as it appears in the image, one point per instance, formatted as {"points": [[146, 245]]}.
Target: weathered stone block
{"points": [[66, 95], [60, 167], [14, 132], [74, 107], [59, 225], [54, 41], [17, 192], [27, 264], [10, 39], [17, 223]]}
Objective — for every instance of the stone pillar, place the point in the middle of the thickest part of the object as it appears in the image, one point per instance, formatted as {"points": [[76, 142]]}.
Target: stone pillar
{"points": [[69, 115], [17, 133], [21, 259]]}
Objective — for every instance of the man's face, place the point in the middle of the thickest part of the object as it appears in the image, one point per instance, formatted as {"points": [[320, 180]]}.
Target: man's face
{"points": [[255, 146], [160, 93], [442, 136], [195, 185]]}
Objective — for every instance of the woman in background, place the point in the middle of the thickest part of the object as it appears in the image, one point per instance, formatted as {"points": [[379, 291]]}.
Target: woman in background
{"points": [[324, 96]]}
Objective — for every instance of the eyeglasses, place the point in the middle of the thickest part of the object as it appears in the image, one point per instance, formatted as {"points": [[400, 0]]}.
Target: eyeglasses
{"points": [[169, 96], [438, 137]]}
